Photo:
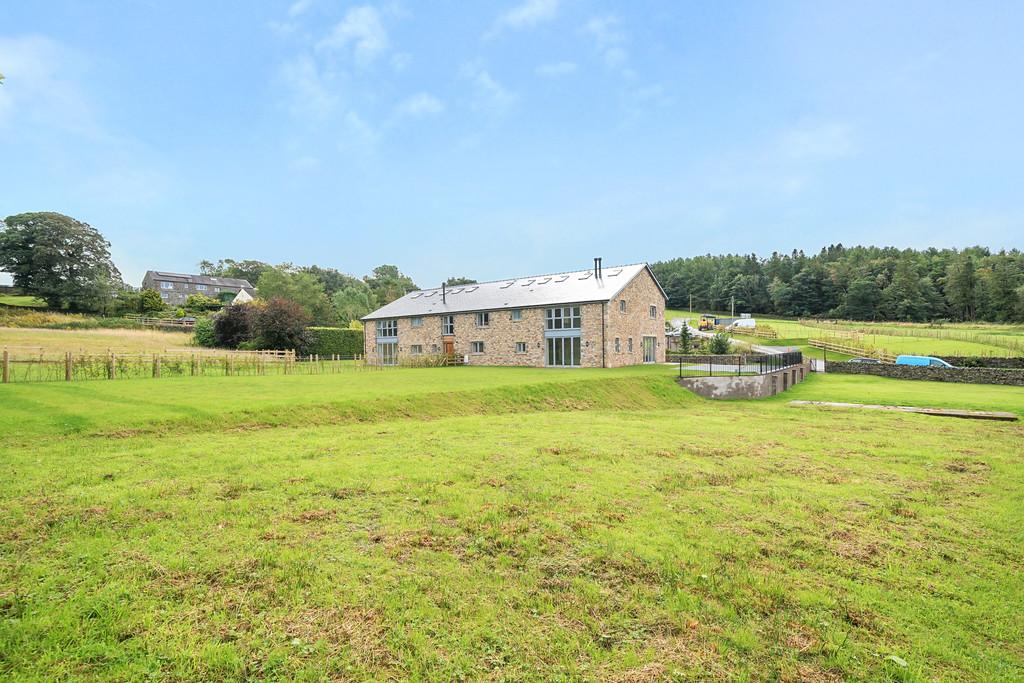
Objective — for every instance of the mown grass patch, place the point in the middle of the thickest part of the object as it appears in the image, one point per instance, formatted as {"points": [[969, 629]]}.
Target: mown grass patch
{"points": [[490, 523], [21, 301], [730, 540]]}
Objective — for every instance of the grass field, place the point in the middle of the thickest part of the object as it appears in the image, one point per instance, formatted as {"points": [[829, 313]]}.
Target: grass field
{"points": [[506, 524], [26, 301], [92, 341], [954, 339]]}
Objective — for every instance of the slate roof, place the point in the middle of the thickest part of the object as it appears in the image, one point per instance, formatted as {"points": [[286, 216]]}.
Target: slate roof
{"points": [[160, 275], [580, 286]]}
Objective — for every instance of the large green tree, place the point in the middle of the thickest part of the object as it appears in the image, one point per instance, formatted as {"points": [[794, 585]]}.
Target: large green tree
{"points": [[246, 270], [285, 282], [455, 281], [59, 259], [388, 283], [353, 302]]}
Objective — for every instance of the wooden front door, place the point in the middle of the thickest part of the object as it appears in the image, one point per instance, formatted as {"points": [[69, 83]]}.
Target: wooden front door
{"points": [[449, 347]]}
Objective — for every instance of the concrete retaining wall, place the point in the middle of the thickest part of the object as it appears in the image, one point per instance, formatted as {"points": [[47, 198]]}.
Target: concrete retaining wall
{"points": [[745, 386], [960, 375]]}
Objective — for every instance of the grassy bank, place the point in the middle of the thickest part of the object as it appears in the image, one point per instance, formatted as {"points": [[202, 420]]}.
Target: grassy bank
{"points": [[469, 523]]}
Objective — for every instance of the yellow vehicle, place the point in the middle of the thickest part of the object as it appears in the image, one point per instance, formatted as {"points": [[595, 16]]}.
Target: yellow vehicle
{"points": [[707, 322]]}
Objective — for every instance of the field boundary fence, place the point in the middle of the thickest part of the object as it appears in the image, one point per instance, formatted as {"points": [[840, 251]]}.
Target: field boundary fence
{"points": [[36, 364], [857, 330], [852, 350]]}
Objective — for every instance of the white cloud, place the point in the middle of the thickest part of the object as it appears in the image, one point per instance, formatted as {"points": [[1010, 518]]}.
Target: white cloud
{"points": [[419, 106], [356, 134], [818, 142], [299, 7], [400, 61], [527, 14], [310, 94], [609, 39], [556, 69], [363, 30], [490, 94]]}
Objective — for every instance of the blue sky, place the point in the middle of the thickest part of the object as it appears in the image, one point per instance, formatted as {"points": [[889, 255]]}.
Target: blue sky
{"points": [[496, 138]]}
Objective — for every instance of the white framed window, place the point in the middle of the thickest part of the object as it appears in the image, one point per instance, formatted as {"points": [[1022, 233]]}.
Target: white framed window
{"points": [[476, 347], [416, 349], [520, 347], [217, 289], [163, 295], [200, 288], [564, 318], [618, 345], [416, 322], [653, 311], [387, 328], [629, 345], [448, 325], [622, 305], [433, 348], [166, 285], [516, 315], [483, 319]]}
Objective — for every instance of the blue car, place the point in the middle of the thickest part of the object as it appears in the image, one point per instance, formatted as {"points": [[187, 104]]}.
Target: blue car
{"points": [[923, 361]]}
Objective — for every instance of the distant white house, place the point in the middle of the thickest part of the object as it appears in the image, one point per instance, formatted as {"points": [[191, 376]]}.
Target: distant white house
{"points": [[243, 297]]}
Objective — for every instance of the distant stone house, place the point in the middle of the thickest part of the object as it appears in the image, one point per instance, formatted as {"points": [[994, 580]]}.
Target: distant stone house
{"points": [[175, 288], [599, 317]]}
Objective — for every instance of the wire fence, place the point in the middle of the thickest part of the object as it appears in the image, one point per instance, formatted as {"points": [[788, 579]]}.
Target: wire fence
{"points": [[18, 365]]}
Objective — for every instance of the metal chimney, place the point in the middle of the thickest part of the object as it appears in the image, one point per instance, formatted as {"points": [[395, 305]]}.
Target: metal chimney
{"points": [[597, 267], [444, 294]]}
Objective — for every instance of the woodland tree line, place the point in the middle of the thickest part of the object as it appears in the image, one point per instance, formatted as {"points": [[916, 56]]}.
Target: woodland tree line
{"points": [[859, 283], [67, 263]]}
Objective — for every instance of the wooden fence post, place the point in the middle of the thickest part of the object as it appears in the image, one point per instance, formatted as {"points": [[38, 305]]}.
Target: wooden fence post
{"points": [[111, 372], [156, 366], [68, 367], [7, 367]]}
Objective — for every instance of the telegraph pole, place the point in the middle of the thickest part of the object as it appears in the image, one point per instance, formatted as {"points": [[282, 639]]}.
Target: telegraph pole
{"points": [[732, 306], [691, 303]]}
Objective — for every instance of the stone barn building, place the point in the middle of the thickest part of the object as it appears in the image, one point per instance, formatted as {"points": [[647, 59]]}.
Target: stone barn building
{"points": [[599, 317]]}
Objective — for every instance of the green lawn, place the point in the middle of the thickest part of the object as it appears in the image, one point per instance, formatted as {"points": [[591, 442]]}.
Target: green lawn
{"points": [[26, 301], [505, 524], [103, 406]]}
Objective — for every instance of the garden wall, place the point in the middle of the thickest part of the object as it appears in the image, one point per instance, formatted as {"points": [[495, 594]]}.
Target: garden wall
{"points": [[960, 375], [985, 362]]}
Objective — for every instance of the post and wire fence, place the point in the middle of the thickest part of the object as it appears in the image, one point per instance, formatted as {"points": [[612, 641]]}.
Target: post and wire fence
{"points": [[36, 364]]}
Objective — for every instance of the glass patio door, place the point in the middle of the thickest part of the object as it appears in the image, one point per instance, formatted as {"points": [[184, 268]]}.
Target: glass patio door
{"points": [[649, 355], [564, 352], [387, 353]]}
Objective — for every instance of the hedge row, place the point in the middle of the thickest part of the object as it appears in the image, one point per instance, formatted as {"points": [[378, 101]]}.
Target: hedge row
{"points": [[327, 341], [933, 374]]}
